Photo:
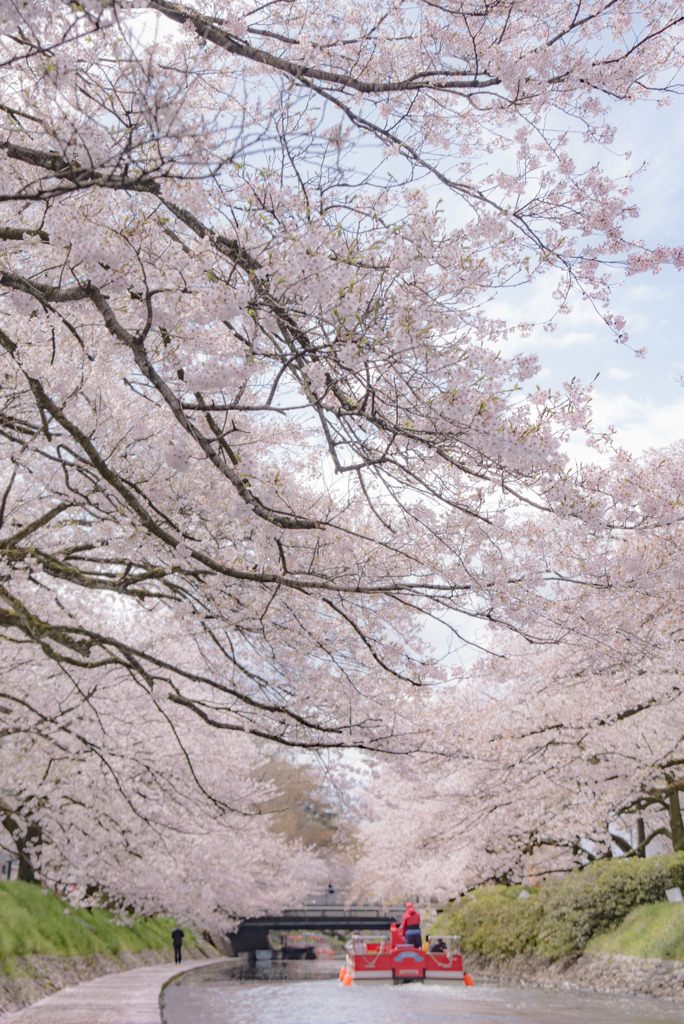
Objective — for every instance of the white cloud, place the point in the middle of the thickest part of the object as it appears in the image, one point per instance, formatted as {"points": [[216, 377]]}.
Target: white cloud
{"points": [[616, 373], [640, 423]]}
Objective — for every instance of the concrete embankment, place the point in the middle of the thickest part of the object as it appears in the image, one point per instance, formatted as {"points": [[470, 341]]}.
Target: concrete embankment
{"points": [[34, 977], [131, 997], [593, 972]]}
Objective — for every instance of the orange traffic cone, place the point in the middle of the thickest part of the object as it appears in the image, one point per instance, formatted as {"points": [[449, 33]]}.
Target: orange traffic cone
{"points": [[347, 980], [468, 980]]}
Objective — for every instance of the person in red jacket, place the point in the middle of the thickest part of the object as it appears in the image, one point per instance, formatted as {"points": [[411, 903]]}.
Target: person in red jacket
{"points": [[395, 937], [410, 927]]}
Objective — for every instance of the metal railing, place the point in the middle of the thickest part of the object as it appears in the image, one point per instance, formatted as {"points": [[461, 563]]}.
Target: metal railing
{"points": [[340, 900]]}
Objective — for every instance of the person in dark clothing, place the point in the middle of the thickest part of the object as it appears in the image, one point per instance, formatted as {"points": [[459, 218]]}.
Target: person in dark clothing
{"points": [[177, 936], [438, 947], [410, 927]]}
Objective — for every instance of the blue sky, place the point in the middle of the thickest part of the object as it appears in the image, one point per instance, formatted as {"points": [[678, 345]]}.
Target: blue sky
{"points": [[640, 397]]}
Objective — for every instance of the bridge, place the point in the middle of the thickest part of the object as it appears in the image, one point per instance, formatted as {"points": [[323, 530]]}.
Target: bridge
{"points": [[324, 913]]}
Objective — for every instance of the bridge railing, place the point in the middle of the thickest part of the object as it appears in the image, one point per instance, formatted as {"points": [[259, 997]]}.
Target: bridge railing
{"points": [[340, 903], [336, 898]]}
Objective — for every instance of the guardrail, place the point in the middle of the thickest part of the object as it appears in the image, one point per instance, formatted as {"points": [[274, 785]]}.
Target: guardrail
{"points": [[340, 899]]}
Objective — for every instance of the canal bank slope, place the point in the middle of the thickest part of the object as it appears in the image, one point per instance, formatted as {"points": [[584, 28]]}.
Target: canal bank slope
{"points": [[36, 976], [130, 998], [607, 928], [591, 972], [47, 945]]}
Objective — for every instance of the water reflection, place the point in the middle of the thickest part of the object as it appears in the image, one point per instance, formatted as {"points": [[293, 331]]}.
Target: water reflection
{"points": [[264, 971], [283, 993]]}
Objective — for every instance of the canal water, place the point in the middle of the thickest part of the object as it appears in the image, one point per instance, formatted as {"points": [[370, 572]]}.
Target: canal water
{"points": [[299, 994]]}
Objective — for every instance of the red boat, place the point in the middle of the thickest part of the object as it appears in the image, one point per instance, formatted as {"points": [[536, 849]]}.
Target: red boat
{"points": [[375, 957]]}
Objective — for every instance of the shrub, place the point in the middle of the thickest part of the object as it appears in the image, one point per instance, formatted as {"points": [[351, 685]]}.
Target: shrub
{"points": [[587, 902], [493, 921], [562, 915]]}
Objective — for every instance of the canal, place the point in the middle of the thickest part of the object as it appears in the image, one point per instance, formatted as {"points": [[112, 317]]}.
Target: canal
{"points": [[305, 995]]}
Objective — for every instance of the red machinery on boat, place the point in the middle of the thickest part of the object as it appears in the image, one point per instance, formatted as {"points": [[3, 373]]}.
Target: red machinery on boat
{"points": [[375, 957]]}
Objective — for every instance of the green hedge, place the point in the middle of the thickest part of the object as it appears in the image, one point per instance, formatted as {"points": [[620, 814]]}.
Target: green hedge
{"points": [[561, 916], [493, 921], [588, 902]]}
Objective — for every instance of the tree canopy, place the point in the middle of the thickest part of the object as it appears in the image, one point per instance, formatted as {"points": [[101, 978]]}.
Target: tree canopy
{"points": [[262, 460]]}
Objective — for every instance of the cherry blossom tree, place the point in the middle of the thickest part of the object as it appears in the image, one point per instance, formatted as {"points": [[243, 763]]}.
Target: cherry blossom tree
{"points": [[121, 806], [256, 430], [561, 753]]}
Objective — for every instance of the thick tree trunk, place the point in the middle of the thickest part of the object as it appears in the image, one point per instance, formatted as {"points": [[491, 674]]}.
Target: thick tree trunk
{"points": [[26, 844], [641, 838], [676, 824]]}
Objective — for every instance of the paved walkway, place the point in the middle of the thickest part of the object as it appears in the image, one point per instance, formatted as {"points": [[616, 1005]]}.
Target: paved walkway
{"points": [[129, 997]]}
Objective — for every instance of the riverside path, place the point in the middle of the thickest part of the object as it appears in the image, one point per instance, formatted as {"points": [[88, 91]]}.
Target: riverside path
{"points": [[128, 997]]}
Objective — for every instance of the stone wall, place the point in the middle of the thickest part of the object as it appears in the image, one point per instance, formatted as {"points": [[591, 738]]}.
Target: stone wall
{"points": [[33, 977], [594, 972]]}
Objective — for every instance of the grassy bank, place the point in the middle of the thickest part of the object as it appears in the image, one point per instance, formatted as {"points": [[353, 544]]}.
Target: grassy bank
{"points": [[619, 901], [655, 930], [35, 920]]}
